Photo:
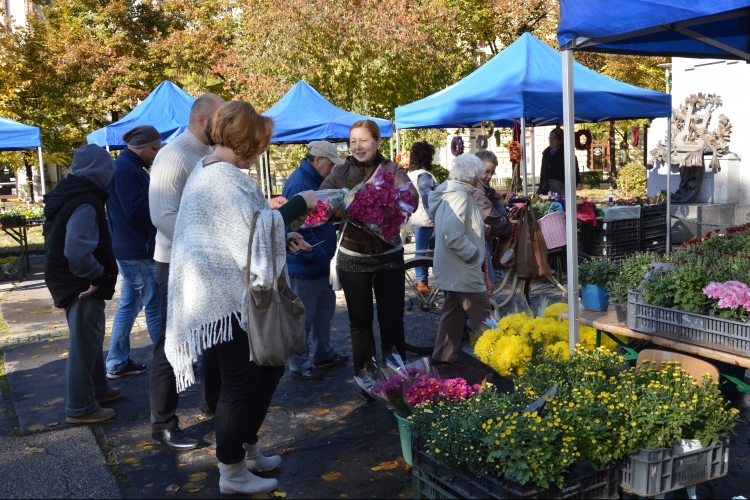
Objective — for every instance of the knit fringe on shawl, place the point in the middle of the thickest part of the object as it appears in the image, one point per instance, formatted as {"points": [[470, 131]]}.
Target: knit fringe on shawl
{"points": [[208, 262]]}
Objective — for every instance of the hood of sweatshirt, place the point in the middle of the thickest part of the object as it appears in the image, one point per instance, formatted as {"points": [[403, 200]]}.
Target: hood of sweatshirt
{"points": [[437, 197]]}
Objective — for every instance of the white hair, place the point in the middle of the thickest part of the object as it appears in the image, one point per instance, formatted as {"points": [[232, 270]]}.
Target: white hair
{"points": [[466, 168]]}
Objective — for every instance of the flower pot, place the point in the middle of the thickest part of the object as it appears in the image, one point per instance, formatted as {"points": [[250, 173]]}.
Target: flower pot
{"points": [[404, 431], [621, 310], [595, 298]]}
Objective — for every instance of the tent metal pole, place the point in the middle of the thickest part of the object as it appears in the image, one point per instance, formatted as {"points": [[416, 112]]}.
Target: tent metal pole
{"points": [[262, 172], [106, 146], [523, 157], [41, 170], [571, 222], [669, 185], [268, 172], [391, 142], [398, 142], [533, 160]]}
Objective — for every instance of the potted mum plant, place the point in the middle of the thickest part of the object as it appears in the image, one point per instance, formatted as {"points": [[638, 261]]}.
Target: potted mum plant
{"points": [[593, 275]]}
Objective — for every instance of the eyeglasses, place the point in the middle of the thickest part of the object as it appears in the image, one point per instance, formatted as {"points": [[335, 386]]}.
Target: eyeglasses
{"points": [[490, 172]]}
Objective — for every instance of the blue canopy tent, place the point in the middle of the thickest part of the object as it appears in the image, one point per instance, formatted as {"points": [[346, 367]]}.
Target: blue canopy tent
{"points": [[303, 115], [719, 29], [16, 136], [167, 108], [523, 81]]}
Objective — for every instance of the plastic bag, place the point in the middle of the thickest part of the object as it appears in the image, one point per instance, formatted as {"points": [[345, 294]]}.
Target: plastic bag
{"points": [[329, 200], [379, 206]]}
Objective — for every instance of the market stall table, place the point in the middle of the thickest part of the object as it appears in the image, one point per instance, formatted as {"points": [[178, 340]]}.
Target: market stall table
{"points": [[606, 322], [18, 233]]}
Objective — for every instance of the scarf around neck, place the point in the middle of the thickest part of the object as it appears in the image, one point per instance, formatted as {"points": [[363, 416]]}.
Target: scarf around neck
{"points": [[209, 261]]}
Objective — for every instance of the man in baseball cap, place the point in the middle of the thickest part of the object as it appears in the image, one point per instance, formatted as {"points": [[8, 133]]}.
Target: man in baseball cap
{"points": [[308, 271]]}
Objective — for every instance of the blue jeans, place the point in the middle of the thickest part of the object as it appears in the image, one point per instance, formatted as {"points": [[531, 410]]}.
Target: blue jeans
{"points": [[320, 303], [422, 240], [138, 288]]}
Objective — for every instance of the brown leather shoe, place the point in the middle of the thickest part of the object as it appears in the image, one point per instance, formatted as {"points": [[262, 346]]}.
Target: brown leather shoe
{"points": [[100, 415], [423, 288], [112, 395]]}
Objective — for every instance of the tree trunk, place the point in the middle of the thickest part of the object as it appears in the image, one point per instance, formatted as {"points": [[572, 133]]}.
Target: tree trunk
{"points": [[29, 179], [612, 156]]}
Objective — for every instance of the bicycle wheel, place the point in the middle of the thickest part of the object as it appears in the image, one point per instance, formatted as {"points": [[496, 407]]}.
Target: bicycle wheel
{"points": [[421, 310]]}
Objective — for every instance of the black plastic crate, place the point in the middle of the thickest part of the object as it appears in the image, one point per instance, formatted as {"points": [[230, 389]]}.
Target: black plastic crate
{"points": [[612, 251], [657, 245], [651, 210], [660, 220], [609, 237], [581, 482], [648, 233], [617, 225]]}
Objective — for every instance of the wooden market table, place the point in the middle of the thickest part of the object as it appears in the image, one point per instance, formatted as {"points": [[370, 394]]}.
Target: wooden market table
{"points": [[606, 323], [18, 233]]}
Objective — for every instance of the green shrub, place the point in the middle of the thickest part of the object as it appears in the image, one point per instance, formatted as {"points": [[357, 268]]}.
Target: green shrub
{"points": [[596, 272], [592, 178], [632, 179], [440, 173]]}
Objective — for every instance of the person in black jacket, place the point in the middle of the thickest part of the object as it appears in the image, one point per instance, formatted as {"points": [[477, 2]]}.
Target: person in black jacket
{"points": [[552, 174], [81, 272]]}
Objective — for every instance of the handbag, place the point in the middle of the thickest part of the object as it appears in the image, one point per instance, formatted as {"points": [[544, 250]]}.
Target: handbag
{"points": [[333, 274], [275, 316], [531, 250]]}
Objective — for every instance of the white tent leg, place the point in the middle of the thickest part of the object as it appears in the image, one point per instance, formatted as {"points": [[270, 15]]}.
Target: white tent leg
{"points": [[523, 156], [268, 172], [669, 185], [262, 172], [391, 142], [398, 143], [41, 170], [533, 161], [106, 146], [570, 198]]}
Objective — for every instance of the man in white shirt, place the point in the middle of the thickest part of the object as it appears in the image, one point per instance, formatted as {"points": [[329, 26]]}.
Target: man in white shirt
{"points": [[169, 173]]}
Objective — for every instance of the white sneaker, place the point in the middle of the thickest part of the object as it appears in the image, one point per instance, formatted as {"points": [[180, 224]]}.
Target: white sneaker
{"points": [[258, 463], [235, 478]]}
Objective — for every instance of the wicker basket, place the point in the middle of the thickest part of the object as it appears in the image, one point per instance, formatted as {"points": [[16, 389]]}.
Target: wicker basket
{"points": [[553, 228]]}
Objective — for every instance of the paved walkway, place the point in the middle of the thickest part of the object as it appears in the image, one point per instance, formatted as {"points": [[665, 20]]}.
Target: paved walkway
{"points": [[330, 441]]}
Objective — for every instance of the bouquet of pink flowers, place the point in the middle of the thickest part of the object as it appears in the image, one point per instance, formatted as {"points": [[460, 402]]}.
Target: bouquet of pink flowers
{"points": [[402, 387], [380, 206], [329, 200], [733, 297]]}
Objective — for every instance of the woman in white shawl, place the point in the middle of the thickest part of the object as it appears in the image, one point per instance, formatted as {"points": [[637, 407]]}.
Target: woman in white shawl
{"points": [[207, 304]]}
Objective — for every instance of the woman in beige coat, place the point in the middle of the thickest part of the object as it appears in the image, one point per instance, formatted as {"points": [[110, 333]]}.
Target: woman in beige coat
{"points": [[459, 254]]}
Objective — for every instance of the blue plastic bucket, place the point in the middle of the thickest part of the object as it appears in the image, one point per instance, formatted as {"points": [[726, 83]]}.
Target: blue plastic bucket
{"points": [[595, 298]]}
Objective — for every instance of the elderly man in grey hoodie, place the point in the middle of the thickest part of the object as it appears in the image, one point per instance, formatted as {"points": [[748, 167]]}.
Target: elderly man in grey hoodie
{"points": [[81, 272], [459, 254]]}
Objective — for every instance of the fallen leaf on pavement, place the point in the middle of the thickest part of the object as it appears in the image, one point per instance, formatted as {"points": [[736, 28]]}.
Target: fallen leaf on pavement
{"points": [[29, 450], [274, 408], [282, 451], [130, 461], [386, 466], [393, 431], [279, 494], [135, 465], [331, 476], [52, 424], [741, 459], [172, 488], [136, 338], [264, 428], [198, 476], [53, 401], [192, 488], [35, 356], [148, 485], [306, 400], [200, 417], [314, 428], [36, 427], [321, 411], [143, 445], [63, 355], [345, 408], [341, 422], [344, 495]]}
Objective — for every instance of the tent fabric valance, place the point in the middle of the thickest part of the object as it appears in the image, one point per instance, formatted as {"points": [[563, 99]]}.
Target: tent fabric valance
{"points": [[167, 108], [525, 81], [717, 29], [16, 136], [303, 115]]}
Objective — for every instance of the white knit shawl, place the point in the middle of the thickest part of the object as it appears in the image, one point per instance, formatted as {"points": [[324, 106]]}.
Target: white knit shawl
{"points": [[209, 260]]}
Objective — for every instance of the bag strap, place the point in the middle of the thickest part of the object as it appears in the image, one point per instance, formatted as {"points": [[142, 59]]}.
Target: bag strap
{"points": [[250, 250], [273, 254], [338, 243]]}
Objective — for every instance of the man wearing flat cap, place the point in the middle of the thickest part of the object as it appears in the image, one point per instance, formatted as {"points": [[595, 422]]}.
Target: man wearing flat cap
{"points": [[133, 242], [308, 271]]}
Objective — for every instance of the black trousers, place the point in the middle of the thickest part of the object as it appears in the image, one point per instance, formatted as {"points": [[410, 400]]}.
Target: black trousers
{"points": [[389, 297], [246, 393], [163, 392]]}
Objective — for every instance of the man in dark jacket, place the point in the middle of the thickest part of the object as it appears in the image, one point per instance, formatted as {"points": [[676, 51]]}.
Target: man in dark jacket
{"points": [[80, 272], [308, 271], [133, 241], [552, 173]]}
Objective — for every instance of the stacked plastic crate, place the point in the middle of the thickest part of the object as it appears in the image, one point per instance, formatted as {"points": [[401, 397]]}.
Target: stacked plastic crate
{"points": [[654, 226], [612, 240]]}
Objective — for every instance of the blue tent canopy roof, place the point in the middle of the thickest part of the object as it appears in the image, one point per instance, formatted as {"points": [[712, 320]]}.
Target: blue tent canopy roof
{"points": [[303, 115], [657, 27], [167, 108], [16, 136], [525, 80]]}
